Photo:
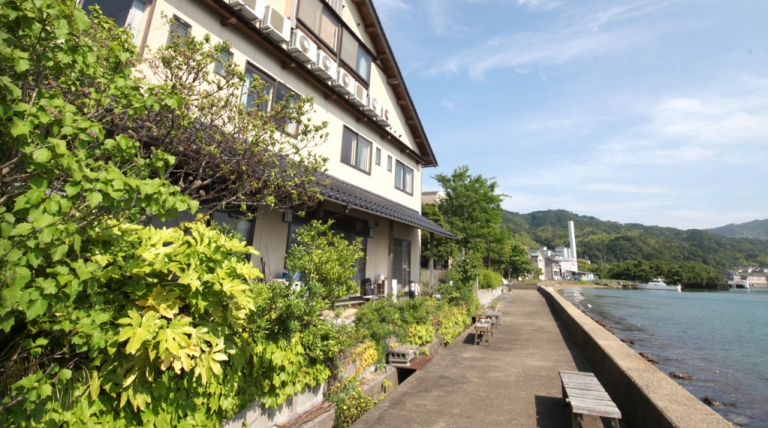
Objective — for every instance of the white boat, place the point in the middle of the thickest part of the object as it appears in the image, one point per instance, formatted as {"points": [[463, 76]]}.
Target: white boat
{"points": [[658, 284]]}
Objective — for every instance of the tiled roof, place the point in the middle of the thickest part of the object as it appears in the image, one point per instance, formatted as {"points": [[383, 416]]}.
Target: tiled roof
{"points": [[344, 193]]}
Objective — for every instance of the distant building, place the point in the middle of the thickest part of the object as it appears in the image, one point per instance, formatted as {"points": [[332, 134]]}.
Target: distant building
{"points": [[731, 275], [755, 280], [562, 256], [432, 196], [552, 269], [537, 260]]}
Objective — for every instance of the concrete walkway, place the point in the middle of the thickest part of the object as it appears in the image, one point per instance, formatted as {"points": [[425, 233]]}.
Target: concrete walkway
{"points": [[514, 382]]}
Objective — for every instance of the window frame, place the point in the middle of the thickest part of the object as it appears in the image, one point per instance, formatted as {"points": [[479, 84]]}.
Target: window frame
{"points": [[218, 68], [378, 156], [325, 11], [402, 175], [360, 48], [282, 90], [389, 163], [266, 78], [177, 22], [355, 150], [275, 88]]}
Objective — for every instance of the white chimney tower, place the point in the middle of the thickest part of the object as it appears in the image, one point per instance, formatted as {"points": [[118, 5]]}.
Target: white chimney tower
{"points": [[572, 235]]}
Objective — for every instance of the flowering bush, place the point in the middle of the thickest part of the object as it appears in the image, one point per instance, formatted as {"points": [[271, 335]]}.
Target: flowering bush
{"points": [[351, 402]]}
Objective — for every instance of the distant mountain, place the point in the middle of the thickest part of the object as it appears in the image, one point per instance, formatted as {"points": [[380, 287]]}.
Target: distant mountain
{"points": [[610, 242], [757, 229]]}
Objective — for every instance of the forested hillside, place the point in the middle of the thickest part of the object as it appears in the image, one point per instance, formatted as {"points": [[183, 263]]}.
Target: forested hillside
{"points": [[757, 229], [611, 242]]}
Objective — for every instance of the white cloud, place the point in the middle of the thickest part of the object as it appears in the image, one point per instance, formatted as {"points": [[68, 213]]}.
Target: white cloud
{"points": [[627, 188], [581, 36]]}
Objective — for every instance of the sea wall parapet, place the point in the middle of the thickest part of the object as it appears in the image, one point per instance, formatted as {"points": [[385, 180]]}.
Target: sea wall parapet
{"points": [[646, 396]]}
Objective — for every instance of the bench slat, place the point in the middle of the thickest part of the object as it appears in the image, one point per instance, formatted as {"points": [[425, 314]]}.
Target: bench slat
{"points": [[587, 396], [588, 393], [587, 406]]}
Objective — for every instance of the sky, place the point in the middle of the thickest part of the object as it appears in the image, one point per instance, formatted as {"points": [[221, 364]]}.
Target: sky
{"points": [[644, 111]]}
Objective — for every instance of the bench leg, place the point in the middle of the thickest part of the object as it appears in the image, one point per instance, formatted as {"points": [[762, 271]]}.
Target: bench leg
{"points": [[477, 334], [615, 423], [577, 420]]}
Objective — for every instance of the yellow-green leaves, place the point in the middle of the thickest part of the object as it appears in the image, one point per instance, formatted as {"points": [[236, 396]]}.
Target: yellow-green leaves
{"points": [[138, 329], [162, 301]]}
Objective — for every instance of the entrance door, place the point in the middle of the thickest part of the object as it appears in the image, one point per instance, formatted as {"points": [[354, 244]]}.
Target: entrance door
{"points": [[401, 262]]}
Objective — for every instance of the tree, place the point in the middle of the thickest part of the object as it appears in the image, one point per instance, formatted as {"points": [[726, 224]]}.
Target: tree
{"points": [[226, 154], [472, 211], [444, 248], [518, 264]]}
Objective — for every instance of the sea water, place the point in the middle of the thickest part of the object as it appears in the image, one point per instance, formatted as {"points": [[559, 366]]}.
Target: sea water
{"points": [[720, 338]]}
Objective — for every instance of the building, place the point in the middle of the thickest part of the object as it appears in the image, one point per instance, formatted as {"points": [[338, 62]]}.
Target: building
{"points": [[336, 51], [562, 262], [432, 196], [553, 271], [561, 257], [755, 280], [537, 260]]}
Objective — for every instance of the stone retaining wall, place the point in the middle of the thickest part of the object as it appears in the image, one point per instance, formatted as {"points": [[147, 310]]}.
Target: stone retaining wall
{"points": [[487, 295], [646, 396], [256, 416]]}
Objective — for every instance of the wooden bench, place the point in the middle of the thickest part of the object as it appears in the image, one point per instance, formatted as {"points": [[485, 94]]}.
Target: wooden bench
{"points": [[587, 397], [483, 326]]}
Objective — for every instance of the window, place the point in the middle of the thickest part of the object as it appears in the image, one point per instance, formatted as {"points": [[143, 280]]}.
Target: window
{"points": [[354, 54], [404, 178], [378, 156], [179, 30], [389, 163], [356, 151], [237, 222], [225, 59], [284, 94], [321, 21], [265, 93], [258, 89]]}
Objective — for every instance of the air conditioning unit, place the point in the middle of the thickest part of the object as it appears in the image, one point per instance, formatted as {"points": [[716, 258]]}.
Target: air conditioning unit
{"points": [[302, 47], [325, 66], [252, 10], [386, 117], [373, 108], [275, 25], [359, 96], [344, 83]]}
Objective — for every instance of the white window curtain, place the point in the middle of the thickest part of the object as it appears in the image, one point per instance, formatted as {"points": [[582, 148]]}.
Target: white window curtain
{"points": [[135, 19]]}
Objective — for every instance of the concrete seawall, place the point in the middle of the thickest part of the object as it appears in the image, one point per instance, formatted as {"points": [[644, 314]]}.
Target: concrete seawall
{"points": [[646, 396]]}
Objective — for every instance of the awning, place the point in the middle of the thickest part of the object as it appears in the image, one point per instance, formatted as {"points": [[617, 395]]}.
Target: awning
{"points": [[347, 194]]}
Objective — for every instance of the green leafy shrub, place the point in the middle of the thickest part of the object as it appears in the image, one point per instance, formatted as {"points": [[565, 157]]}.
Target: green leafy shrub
{"points": [[489, 279], [420, 334], [452, 321], [326, 262], [460, 291]]}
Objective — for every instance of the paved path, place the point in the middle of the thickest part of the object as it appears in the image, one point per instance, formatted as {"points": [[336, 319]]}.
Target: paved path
{"points": [[512, 383]]}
